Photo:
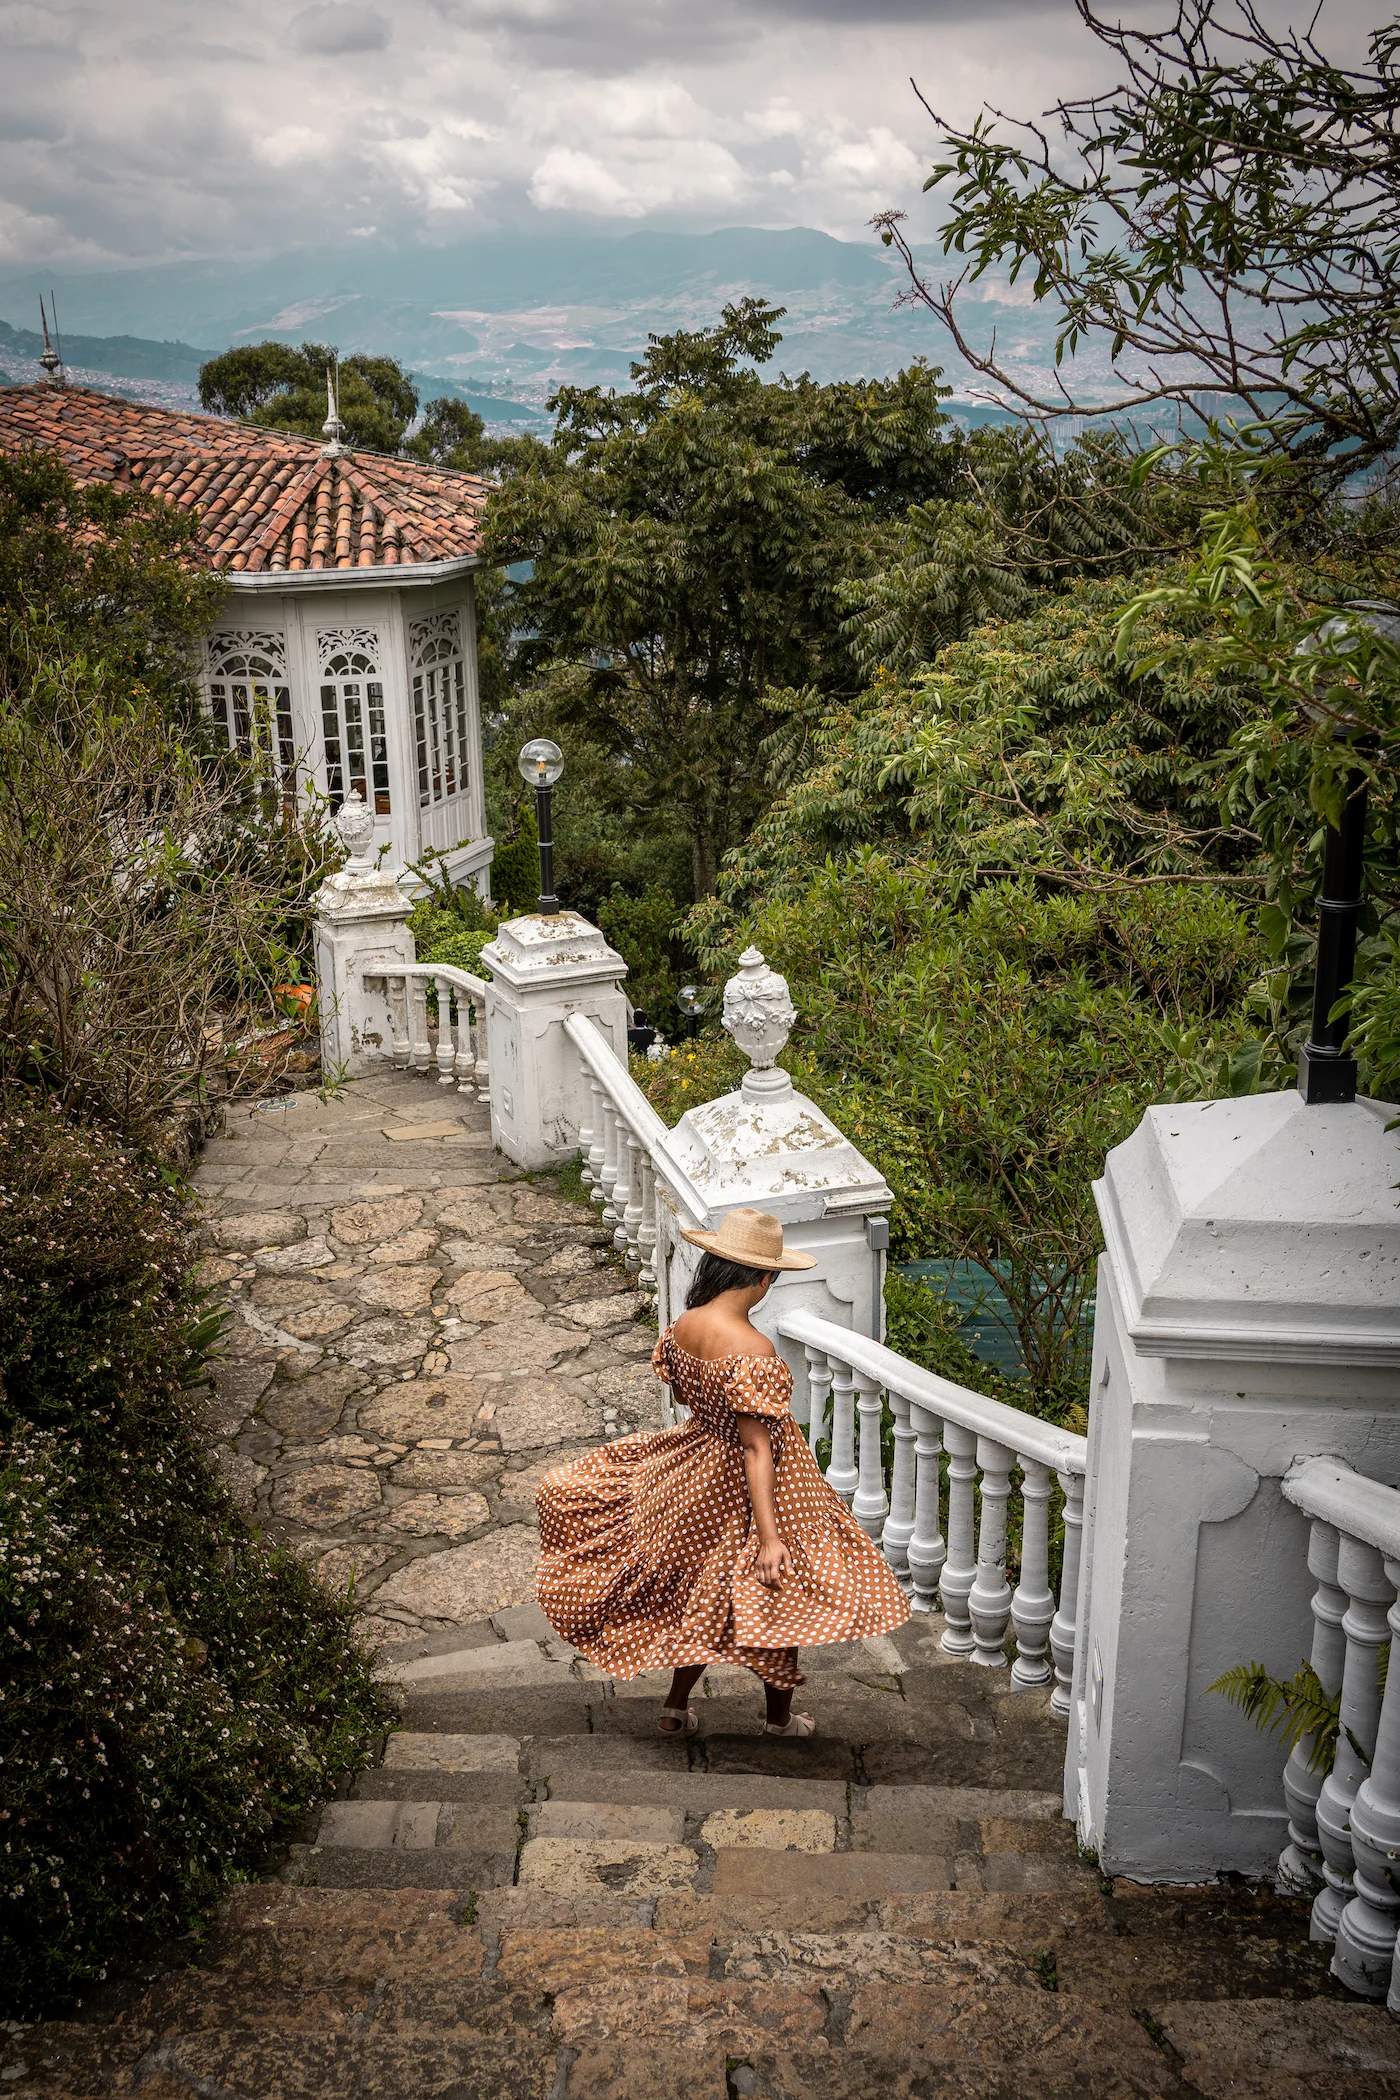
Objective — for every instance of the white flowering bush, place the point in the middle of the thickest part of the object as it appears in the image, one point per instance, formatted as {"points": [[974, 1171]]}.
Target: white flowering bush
{"points": [[174, 1692]]}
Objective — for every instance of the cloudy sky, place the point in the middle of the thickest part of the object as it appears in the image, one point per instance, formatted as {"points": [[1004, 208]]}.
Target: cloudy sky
{"points": [[150, 129]]}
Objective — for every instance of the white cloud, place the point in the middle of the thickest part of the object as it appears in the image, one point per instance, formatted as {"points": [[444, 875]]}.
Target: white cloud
{"points": [[340, 28], [291, 145]]}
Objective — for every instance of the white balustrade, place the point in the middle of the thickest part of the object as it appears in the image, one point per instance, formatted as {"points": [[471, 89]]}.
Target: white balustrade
{"points": [[623, 1168], [987, 1446], [459, 1056], [1349, 1828]]}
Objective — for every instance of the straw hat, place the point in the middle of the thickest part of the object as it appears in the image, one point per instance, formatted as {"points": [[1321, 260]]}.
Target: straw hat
{"points": [[752, 1238]]}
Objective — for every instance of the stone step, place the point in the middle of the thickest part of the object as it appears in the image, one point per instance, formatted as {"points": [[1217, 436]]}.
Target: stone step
{"points": [[386, 1867], [470, 1669]]}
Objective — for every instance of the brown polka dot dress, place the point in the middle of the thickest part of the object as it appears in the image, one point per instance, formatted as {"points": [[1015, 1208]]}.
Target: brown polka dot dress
{"points": [[648, 1544]]}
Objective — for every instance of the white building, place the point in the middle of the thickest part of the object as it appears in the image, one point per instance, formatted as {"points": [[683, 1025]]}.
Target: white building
{"points": [[346, 648]]}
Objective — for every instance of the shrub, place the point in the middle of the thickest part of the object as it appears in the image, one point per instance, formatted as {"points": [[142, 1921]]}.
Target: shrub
{"points": [[176, 1691]]}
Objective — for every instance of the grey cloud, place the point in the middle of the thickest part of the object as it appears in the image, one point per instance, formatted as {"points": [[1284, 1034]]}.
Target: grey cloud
{"points": [[338, 28]]}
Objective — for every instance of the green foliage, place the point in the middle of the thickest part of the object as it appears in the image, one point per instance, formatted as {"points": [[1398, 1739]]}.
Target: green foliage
{"points": [[642, 929], [177, 1692], [687, 539], [285, 389], [515, 869], [1295, 1710], [104, 573], [453, 435]]}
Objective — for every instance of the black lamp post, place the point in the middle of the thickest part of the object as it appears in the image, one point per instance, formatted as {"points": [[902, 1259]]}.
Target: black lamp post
{"points": [[541, 763], [691, 1004]]}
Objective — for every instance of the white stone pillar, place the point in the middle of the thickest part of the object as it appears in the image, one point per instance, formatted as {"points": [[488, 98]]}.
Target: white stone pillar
{"points": [[770, 1148], [544, 967], [361, 926], [1248, 1315]]}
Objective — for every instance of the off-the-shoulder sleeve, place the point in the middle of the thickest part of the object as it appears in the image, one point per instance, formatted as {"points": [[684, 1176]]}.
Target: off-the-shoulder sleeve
{"points": [[758, 1385], [661, 1358]]}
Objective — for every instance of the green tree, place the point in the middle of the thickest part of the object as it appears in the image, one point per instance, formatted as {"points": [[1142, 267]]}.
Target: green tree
{"points": [[687, 541], [285, 389], [1226, 219], [454, 435]]}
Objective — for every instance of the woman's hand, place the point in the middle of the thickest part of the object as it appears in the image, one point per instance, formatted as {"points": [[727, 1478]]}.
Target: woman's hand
{"points": [[773, 1565]]}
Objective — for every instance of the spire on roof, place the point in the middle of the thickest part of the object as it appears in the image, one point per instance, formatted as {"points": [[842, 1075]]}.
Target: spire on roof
{"points": [[333, 429], [49, 358]]}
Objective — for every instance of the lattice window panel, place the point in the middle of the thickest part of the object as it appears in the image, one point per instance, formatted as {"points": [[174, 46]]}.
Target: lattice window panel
{"points": [[440, 733], [352, 716], [250, 700]]}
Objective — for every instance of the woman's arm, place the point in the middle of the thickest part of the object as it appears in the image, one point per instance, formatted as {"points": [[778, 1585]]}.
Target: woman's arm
{"points": [[774, 1561]]}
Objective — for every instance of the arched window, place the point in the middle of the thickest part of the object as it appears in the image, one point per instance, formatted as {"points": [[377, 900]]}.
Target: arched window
{"points": [[439, 707], [251, 702], [352, 716]]}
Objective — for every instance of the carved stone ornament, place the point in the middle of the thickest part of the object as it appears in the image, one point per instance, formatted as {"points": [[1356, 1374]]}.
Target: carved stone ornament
{"points": [[354, 820], [759, 1014]]}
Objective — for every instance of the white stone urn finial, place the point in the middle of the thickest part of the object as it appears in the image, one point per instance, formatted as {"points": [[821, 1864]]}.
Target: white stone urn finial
{"points": [[354, 821], [759, 1014]]}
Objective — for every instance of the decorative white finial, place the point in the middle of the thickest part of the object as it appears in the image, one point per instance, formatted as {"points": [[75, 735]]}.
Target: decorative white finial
{"points": [[333, 430], [354, 820], [759, 1014]]}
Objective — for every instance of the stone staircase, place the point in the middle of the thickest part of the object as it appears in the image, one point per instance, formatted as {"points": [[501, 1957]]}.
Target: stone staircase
{"points": [[537, 1897]]}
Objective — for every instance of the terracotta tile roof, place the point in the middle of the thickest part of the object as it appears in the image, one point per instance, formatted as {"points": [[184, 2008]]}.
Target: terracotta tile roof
{"points": [[266, 501]]}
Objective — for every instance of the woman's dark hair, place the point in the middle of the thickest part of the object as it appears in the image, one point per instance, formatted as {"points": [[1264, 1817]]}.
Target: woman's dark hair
{"points": [[716, 1274]]}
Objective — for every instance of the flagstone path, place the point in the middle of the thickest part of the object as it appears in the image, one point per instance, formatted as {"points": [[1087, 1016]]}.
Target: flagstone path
{"points": [[419, 1332]]}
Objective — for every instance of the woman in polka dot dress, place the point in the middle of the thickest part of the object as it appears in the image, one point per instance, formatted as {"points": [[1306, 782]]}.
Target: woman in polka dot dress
{"points": [[717, 1541]]}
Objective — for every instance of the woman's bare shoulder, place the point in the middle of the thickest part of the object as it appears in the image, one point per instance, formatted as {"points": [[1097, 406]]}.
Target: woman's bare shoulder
{"points": [[715, 1339]]}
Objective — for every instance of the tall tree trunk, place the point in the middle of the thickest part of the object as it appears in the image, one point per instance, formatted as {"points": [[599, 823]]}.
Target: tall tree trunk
{"points": [[702, 863]]}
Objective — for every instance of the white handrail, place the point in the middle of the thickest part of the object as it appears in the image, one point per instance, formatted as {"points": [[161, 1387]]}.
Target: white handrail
{"points": [[626, 1168], [1331, 1493], [1025, 1434], [967, 1570]]}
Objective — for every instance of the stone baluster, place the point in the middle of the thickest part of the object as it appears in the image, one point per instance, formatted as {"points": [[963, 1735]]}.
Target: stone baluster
{"points": [[397, 986], [446, 1051], [1300, 1862], [606, 1191], [1366, 1943], [1033, 1606], [960, 1568], [622, 1186], [633, 1212], [421, 1054], [841, 1474], [1062, 1626], [465, 1063], [989, 1600], [646, 1224], [870, 1505], [819, 1390], [482, 1072], [598, 1149], [1361, 1574], [587, 1127], [927, 1552], [899, 1524]]}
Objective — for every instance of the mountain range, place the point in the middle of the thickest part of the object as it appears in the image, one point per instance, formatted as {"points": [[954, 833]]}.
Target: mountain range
{"points": [[514, 316]]}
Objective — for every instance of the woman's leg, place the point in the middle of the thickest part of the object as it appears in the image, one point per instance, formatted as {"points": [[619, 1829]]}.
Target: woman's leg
{"points": [[683, 1683], [778, 1699]]}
